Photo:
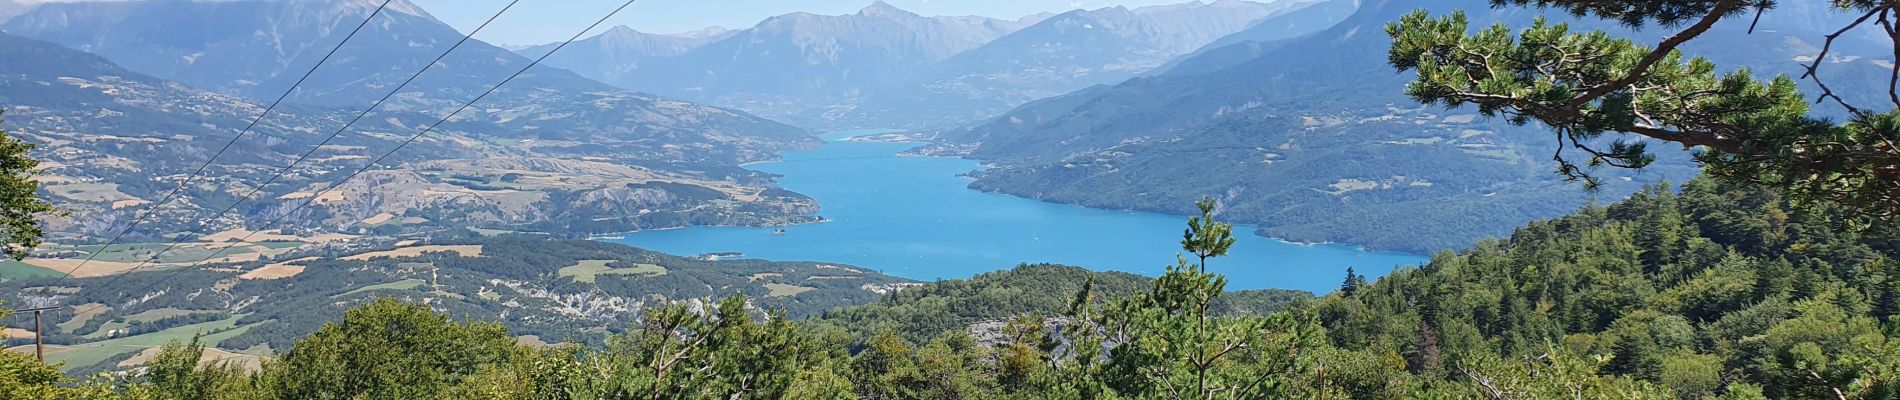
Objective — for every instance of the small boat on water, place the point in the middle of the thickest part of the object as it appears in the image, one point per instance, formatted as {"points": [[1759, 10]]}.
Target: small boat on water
{"points": [[779, 231]]}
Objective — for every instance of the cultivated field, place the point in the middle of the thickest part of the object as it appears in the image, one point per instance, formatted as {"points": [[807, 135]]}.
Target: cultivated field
{"points": [[405, 284], [119, 258], [90, 269], [89, 310], [95, 352], [16, 333], [784, 290], [15, 269], [211, 355], [272, 271], [473, 250], [586, 270]]}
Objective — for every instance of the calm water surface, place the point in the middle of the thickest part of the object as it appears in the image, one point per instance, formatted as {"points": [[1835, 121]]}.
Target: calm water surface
{"points": [[914, 217]]}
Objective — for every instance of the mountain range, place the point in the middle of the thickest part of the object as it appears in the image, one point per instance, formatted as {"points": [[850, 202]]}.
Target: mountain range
{"points": [[257, 49], [614, 55], [884, 67], [167, 83], [1061, 54], [1096, 107], [786, 62], [1287, 112], [1264, 35], [1313, 139]]}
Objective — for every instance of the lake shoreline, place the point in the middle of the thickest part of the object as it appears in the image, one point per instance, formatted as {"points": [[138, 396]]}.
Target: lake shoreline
{"points": [[918, 218]]}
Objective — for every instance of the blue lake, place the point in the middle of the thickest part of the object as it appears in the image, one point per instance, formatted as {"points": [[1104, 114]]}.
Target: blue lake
{"points": [[914, 217]]}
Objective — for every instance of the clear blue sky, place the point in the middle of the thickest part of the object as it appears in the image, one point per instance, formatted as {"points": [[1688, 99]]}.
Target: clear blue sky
{"points": [[543, 21]]}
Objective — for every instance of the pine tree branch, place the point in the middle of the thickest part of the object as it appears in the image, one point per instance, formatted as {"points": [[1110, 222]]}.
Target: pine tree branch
{"points": [[1662, 50], [1893, 74], [1814, 66]]}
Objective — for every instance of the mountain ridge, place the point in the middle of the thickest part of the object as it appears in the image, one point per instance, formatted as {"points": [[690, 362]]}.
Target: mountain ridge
{"points": [[115, 141], [1060, 54], [787, 62], [1322, 139], [256, 49]]}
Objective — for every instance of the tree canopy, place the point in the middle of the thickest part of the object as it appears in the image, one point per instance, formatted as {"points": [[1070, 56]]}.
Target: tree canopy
{"points": [[1586, 84], [20, 204]]}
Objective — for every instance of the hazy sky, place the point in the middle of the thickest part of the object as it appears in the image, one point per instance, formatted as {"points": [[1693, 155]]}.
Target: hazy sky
{"points": [[542, 21]]}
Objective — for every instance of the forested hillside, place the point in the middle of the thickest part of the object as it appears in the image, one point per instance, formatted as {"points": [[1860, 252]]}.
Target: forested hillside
{"points": [[981, 303], [554, 291], [258, 50], [137, 128], [122, 144], [1316, 141], [1721, 291], [1773, 274]]}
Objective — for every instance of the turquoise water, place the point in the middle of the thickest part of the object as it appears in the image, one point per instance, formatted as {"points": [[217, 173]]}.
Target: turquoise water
{"points": [[914, 217]]}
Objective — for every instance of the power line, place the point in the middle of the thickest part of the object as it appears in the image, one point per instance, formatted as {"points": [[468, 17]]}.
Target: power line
{"points": [[227, 146], [313, 198], [313, 149]]}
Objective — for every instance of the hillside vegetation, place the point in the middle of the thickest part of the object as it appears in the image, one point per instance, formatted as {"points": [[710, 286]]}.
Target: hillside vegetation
{"points": [[556, 290], [1314, 139], [126, 123], [1775, 274], [1718, 292]]}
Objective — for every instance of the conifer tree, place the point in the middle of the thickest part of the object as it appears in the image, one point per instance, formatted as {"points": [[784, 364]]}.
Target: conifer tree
{"points": [[20, 204], [1169, 343], [1584, 85], [1660, 233], [1352, 284], [1206, 237]]}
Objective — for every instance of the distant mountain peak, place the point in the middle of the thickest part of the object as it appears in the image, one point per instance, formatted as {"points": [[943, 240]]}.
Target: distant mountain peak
{"points": [[621, 35], [709, 32], [1239, 3], [881, 9], [620, 30], [625, 38], [1090, 19], [10, 8], [1217, 4], [399, 6]]}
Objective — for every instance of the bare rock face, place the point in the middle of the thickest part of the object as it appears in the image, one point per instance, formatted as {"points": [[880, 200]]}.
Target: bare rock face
{"points": [[990, 333], [625, 200]]}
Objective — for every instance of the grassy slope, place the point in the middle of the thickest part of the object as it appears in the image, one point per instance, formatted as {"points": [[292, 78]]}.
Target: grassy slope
{"points": [[92, 353], [587, 270], [10, 269]]}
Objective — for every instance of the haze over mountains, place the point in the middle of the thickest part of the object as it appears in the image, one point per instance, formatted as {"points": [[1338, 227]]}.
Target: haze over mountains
{"points": [[172, 81], [256, 49], [1287, 112], [611, 56], [886, 67], [1061, 54], [1313, 138], [1097, 107], [10, 8], [784, 63]]}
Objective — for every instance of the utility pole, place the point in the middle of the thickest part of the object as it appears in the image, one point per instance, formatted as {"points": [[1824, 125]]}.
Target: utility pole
{"points": [[39, 332]]}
